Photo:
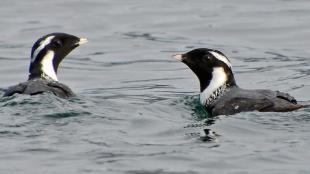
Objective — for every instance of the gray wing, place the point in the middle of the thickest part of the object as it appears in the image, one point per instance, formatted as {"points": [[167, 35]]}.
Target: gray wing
{"points": [[286, 96], [38, 86], [19, 88], [240, 104], [240, 100], [60, 90]]}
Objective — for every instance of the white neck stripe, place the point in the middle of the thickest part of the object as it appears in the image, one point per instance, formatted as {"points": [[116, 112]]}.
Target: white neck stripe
{"points": [[219, 78], [221, 58], [41, 47], [47, 65]]}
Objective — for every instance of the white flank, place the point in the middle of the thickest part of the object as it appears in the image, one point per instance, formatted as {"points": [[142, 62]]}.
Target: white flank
{"points": [[221, 58], [43, 44], [219, 78], [47, 65]]}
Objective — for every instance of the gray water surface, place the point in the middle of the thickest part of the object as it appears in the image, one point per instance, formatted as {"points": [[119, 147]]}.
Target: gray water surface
{"points": [[137, 109]]}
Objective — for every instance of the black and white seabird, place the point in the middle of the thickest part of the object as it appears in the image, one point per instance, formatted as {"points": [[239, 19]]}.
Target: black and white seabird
{"points": [[219, 91], [46, 55]]}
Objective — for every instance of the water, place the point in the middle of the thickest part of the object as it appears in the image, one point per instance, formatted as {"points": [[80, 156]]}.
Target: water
{"points": [[137, 110]]}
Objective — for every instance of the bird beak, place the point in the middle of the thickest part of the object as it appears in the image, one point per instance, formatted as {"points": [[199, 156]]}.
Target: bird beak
{"points": [[179, 57], [82, 41]]}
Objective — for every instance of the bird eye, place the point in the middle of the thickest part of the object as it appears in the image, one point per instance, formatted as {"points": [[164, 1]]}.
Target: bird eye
{"points": [[207, 57], [58, 43]]}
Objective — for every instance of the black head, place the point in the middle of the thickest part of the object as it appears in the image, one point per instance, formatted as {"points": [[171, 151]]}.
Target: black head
{"points": [[203, 62], [49, 51]]}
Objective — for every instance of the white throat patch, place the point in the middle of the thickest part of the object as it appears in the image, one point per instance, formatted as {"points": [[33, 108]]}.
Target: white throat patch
{"points": [[42, 44], [47, 65], [219, 78], [221, 58]]}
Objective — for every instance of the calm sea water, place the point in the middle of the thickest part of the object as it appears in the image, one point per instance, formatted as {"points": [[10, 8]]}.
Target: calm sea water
{"points": [[137, 110]]}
